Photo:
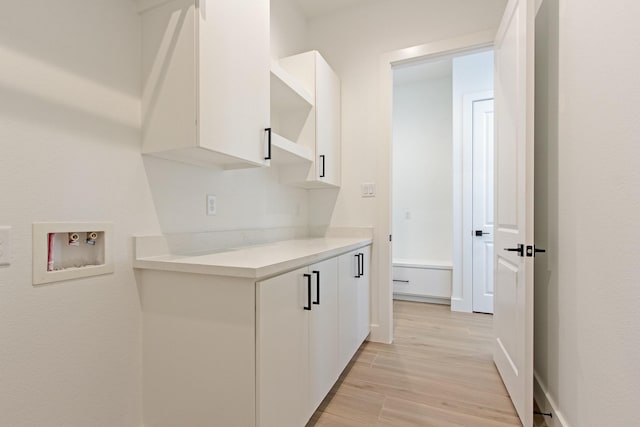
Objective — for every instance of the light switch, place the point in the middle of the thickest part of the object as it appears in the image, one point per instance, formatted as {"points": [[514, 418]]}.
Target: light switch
{"points": [[368, 189], [211, 204], [5, 246]]}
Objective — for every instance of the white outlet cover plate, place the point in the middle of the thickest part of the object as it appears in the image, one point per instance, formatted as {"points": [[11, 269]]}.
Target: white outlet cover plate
{"points": [[5, 246]]}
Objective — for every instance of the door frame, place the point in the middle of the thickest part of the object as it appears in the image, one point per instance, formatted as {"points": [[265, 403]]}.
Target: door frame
{"points": [[465, 246], [382, 298]]}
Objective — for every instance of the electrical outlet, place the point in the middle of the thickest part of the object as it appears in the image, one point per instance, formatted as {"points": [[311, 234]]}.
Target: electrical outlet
{"points": [[211, 204], [5, 246]]}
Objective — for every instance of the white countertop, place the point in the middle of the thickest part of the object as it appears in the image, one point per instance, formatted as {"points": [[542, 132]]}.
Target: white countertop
{"points": [[256, 262]]}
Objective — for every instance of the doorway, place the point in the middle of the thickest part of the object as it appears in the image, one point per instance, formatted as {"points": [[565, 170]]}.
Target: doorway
{"points": [[442, 178]]}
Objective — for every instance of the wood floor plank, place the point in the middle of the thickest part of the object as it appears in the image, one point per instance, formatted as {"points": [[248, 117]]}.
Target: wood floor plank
{"points": [[406, 413], [438, 372]]}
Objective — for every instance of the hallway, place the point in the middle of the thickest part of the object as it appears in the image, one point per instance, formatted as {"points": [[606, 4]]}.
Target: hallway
{"points": [[438, 372]]}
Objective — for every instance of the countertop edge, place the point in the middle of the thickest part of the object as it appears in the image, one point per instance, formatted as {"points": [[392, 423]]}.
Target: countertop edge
{"points": [[255, 274]]}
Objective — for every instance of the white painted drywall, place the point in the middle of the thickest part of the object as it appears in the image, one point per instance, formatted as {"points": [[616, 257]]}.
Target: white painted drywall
{"points": [[289, 34], [70, 151], [353, 43], [587, 298], [245, 198], [472, 74], [422, 170]]}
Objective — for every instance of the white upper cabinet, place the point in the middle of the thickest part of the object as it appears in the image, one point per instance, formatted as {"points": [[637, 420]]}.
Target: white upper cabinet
{"points": [[206, 81], [305, 110]]}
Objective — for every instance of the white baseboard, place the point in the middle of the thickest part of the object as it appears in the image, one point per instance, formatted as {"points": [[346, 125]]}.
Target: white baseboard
{"points": [[547, 404], [419, 298]]}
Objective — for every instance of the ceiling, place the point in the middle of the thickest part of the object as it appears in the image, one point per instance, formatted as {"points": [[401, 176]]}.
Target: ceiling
{"points": [[313, 8], [420, 71]]}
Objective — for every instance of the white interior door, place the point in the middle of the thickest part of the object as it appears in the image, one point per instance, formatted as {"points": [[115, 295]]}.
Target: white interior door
{"points": [[513, 301], [482, 135]]}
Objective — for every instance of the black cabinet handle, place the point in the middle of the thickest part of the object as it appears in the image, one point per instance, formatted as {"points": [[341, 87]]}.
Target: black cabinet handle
{"points": [[400, 281], [308, 306], [268, 130], [361, 269], [323, 161], [317, 273], [357, 265]]}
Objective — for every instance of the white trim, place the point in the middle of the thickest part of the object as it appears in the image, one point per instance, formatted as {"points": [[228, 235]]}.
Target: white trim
{"points": [[421, 298], [428, 265], [546, 403], [382, 295], [463, 204]]}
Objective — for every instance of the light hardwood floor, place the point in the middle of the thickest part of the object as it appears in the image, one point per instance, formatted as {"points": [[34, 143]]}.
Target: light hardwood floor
{"points": [[438, 372]]}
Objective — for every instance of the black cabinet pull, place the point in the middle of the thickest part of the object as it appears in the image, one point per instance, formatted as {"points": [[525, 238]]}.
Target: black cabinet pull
{"points": [[361, 269], [317, 273], [268, 130], [308, 306], [357, 265], [323, 161]]}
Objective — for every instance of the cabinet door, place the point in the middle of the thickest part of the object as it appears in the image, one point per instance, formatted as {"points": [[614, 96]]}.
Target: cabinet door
{"points": [[363, 323], [353, 302], [323, 331], [328, 124], [233, 76], [283, 350], [347, 306]]}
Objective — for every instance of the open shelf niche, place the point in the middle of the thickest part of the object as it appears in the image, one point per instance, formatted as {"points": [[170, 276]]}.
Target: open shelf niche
{"points": [[291, 105]]}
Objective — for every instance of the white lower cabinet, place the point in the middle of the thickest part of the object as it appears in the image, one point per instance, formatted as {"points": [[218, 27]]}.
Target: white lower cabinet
{"points": [[310, 323], [323, 331], [353, 306], [283, 350], [224, 351], [297, 343]]}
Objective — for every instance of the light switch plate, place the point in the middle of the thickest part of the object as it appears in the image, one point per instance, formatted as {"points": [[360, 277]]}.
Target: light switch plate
{"points": [[211, 205], [368, 189], [5, 246]]}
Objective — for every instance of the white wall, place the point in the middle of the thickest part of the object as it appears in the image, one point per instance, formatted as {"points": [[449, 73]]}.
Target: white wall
{"points": [[245, 198], [422, 170], [353, 42], [587, 341], [70, 151], [289, 34], [472, 74]]}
